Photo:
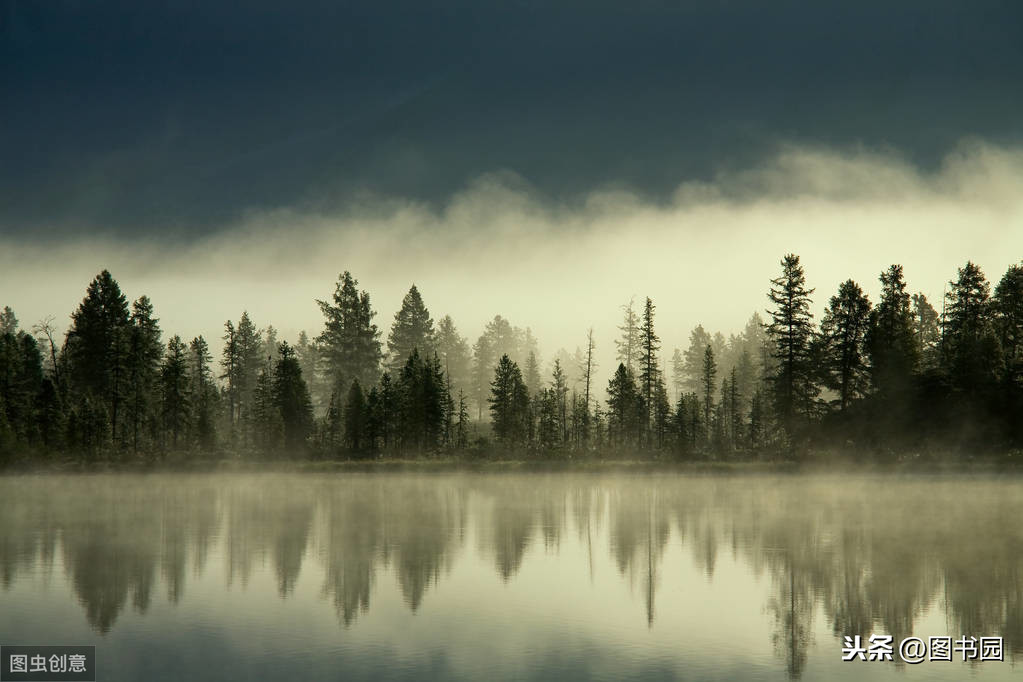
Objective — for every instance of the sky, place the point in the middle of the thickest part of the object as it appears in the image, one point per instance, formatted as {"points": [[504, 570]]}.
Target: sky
{"points": [[541, 160]]}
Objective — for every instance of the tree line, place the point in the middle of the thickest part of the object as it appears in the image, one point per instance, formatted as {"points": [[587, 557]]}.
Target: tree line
{"points": [[889, 378]]}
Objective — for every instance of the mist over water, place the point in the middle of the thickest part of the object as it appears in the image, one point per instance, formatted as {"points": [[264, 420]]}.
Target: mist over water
{"points": [[500, 576]]}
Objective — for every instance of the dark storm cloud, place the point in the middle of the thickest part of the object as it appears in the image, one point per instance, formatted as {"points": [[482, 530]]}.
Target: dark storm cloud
{"points": [[134, 117]]}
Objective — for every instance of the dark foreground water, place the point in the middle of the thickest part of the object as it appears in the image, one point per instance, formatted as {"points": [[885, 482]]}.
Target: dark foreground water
{"points": [[507, 576]]}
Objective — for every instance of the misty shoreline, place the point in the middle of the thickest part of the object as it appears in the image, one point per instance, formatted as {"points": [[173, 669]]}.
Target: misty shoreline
{"points": [[811, 465]]}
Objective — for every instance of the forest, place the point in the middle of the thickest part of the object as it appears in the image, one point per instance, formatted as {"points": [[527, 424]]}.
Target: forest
{"points": [[889, 380]]}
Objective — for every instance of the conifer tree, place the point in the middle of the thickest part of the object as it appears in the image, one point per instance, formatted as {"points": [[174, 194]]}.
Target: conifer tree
{"points": [[509, 404], [350, 342], [891, 341], [263, 418], [649, 373], [231, 364], [678, 372], [710, 370], [590, 364], [623, 401], [96, 347], [8, 322], [174, 383], [559, 402], [699, 339], [629, 343], [203, 392], [291, 397], [454, 353], [483, 360], [251, 362], [532, 374], [145, 351], [412, 329], [791, 333], [927, 330], [843, 333], [971, 349]]}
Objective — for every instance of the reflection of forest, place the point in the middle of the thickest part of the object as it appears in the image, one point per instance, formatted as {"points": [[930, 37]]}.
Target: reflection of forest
{"points": [[871, 555]]}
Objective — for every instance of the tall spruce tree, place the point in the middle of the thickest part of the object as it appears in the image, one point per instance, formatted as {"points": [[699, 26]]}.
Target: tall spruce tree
{"points": [[204, 393], [926, 328], [629, 343], [145, 351], [843, 335], [649, 372], [791, 332], [174, 384], [699, 339], [454, 353], [483, 361], [291, 396], [891, 341], [350, 342], [96, 347], [971, 349], [709, 374], [623, 403], [412, 329], [509, 404]]}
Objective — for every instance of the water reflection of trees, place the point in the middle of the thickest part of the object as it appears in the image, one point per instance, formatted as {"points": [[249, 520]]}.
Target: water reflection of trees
{"points": [[868, 555]]}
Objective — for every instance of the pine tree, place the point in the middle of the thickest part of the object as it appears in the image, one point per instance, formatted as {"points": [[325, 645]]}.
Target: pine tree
{"points": [[145, 351], [559, 401], [350, 342], [588, 369], [21, 381], [532, 374], [791, 333], [843, 333], [308, 354], [629, 343], [927, 330], [699, 339], [482, 369], [661, 413], [412, 329], [623, 419], [174, 383], [231, 364], [203, 392], [291, 397], [264, 416], [453, 351], [96, 347], [970, 346], [678, 372], [8, 322], [891, 341], [251, 362], [269, 348], [509, 404], [649, 373], [710, 370]]}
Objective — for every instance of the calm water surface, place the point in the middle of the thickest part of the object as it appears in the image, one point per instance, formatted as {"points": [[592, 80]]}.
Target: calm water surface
{"points": [[508, 576]]}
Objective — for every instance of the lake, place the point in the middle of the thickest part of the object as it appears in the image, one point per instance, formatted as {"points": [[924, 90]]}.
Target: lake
{"points": [[471, 576]]}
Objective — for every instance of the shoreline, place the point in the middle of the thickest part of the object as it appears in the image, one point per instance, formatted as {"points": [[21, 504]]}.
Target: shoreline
{"points": [[819, 465]]}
